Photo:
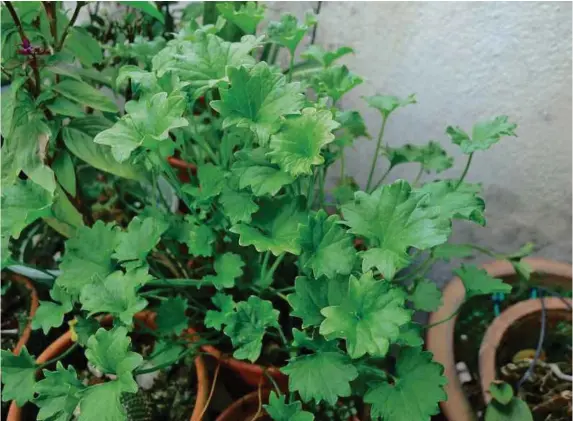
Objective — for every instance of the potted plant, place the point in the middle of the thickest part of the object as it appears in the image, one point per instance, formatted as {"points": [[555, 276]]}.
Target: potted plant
{"points": [[256, 264], [466, 337]]}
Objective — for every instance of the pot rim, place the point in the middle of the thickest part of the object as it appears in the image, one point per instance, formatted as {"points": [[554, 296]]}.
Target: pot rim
{"points": [[497, 330], [34, 303], [440, 339], [148, 317]]}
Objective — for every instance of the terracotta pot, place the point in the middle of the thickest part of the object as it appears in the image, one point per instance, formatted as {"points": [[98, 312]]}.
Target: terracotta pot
{"points": [[440, 339], [246, 408], [509, 328], [183, 168], [23, 340], [252, 374], [61, 344]]}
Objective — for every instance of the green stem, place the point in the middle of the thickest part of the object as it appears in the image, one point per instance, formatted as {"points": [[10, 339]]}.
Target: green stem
{"points": [[264, 265], [418, 176], [59, 357], [164, 365], [383, 178], [290, 66], [273, 268], [172, 178], [342, 165], [377, 152], [71, 23], [321, 178], [450, 317], [460, 181], [274, 54], [174, 283], [310, 193]]}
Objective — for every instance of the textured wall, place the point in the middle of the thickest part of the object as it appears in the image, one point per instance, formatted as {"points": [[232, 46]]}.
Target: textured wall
{"points": [[469, 61]]}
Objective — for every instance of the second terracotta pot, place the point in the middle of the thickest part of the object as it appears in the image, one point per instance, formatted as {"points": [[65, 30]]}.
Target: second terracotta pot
{"points": [[64, 342], [440, 338]]}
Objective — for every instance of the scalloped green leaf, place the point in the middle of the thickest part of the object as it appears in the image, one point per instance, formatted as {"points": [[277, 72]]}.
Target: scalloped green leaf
{"points": [[484, 134]]}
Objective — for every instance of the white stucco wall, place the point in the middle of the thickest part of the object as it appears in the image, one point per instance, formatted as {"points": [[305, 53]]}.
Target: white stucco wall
{"points": [[467, 61]]}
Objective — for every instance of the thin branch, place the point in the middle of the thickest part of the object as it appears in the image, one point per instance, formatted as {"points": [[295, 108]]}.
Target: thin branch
{"points": [[16, 20], [71, 23], [317, 12]]}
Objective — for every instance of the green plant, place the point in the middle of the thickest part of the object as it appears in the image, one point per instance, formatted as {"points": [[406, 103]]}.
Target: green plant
{"points": [[256, 258]]}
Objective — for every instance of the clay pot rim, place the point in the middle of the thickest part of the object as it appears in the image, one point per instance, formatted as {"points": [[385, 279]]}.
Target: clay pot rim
{"points": [[249, 399], [181, 164], [238, 365], [497, 330], [440, 339], [148, 317], [34, 303]]}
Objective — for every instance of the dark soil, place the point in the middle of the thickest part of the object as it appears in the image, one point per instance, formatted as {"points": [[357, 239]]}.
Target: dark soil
{"points": [[15, 306]]}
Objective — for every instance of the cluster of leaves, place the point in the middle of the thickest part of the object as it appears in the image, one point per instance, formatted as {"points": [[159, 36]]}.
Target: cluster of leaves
{"points": [[255, 222]]}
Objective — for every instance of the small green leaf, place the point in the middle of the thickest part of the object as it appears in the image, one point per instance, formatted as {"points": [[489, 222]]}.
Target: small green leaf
{"points": [[108, 350], [257, 99], [278, 410], [198, 238], [335, 82], [85, 94], [351, 121], [274, 228], [171, 317], [501, 392], [478, 282], [321, 376], [59, 393], [432, 157], [246, 327], [147, 123], [246, 17], [344, 191], [296, 148], [254, 170], [82, 329], [386, 104], [64, 169], [309, 298], [410, 335], [211, 182], [141, 237], [288, 32], [327, 248], [369, 318], [87, 257], [229, 267], [515, 410], [18, 376], [394, 218], [418, 380], [51, 314], [83, 46], [91, 408], [426, 296], [238, 206], [484, 134], [215, 319], [147, 7], [116, 294], [326, 58]]}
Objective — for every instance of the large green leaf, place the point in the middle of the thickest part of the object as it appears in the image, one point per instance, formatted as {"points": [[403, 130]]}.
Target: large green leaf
{"points": [[116, 295], [515, 410], [484, 134], [171, 317], [387, 104], [51, 314], [18, 376], [393, 218], [426, 296], [85, 94], [147, 7], [246, 17], [59, 393], [63, 167], [257, 99], [309, 298], [91, 408], [84, 46], [369, 317], [204, 60], [274, 228], [78, 137], [296, 148], [238, 206], [326, 58], [321, 376], [416, 390], [327, 249], [253, 170], [147, 124], [454, 201], [335, 82], [279, 410], [246, 326], [87, 257], [478, 282], [141, 237]]}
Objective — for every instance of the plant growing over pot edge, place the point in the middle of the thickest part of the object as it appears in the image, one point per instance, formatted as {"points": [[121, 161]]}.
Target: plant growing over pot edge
{"points": [[275, 279]]}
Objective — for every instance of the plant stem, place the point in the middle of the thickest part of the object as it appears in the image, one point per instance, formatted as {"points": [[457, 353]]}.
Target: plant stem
{"points": [[377, 152], [321, 177], [273, 268], [174, 283], [290, 66], [450, 317], [342, 165], [164, 365], [274, 53], [465, 170], [60, 357], [71, 23], [418, 176], [310, 193], [16, 20], [50, 8], [383, 178], [264, 265]]}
